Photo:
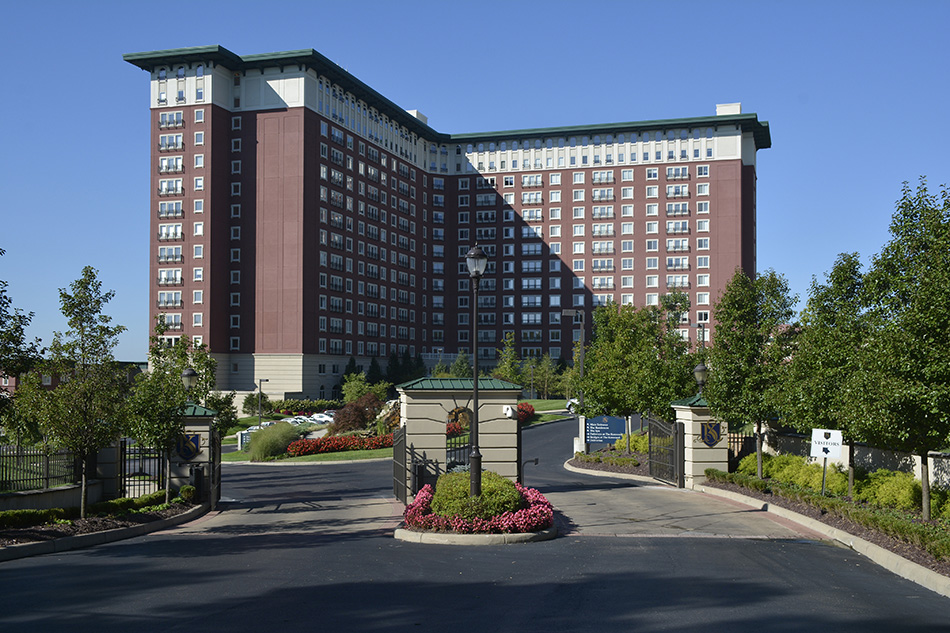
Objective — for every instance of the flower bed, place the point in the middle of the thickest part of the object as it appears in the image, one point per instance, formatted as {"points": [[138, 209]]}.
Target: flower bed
{"points": [[336, 443], [537, 516]]}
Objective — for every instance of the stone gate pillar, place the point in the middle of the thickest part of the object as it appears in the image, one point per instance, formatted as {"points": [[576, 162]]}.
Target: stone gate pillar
{"points": [[706, 441]]}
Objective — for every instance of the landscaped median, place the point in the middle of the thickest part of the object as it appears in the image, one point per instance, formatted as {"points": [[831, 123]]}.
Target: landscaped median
{"points": [[505, 512]]}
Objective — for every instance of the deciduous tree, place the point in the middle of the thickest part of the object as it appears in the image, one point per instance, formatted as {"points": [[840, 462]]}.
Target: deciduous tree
{"points": [[85, 411], [817, 386], [907, 368], [752, 339]]}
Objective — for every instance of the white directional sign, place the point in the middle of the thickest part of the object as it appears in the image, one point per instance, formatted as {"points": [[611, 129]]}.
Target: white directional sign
{"points": [[825, 443]]}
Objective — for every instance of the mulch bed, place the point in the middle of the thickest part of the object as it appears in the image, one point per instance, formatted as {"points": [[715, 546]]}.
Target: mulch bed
{"points": [[905, 550], [38, 533]]}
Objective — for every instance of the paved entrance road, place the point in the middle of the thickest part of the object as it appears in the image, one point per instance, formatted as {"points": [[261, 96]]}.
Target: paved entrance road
{"points": [[309, 548]]}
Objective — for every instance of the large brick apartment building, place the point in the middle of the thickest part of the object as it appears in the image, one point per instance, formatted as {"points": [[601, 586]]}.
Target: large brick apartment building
{"points": [[300, 218]]}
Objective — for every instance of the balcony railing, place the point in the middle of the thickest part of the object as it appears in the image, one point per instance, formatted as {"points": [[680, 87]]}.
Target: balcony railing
{"points": [[170, 281], [165, 124], [169, 259], [171, 192], [165, 147], [171, 169], [169, 303], [171, 237]]}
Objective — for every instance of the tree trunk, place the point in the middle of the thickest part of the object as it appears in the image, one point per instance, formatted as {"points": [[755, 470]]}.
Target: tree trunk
{"points": [[758, 449], [850, 467], [925, 484]]}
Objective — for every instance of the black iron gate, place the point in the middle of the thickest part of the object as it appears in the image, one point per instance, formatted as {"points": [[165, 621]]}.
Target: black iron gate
{"points": [[666, 452], [457, 451], [141, 469]]}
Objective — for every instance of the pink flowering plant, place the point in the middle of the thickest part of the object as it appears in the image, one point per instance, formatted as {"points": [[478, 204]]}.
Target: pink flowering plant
{"points": [[535, 512]]}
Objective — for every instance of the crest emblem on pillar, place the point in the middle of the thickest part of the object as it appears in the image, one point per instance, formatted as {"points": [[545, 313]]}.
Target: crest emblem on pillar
{"points": [[710, 433], [189, 445]]}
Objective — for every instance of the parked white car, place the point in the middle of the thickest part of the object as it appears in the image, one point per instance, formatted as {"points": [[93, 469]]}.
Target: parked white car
{"points": [[321, 418], [572, 405]]}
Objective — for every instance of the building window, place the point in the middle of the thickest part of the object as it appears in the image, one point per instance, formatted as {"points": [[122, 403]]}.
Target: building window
{"points": [[199, 116], [235, 123], [199, 138], [197, 297], [199, 228], [235, 210], [199, 183], [702, 189], [235, 232], [196, 319], [235, 254], [235, 344], [199, 251], [199, 161], [198, 274], [235, 298]]}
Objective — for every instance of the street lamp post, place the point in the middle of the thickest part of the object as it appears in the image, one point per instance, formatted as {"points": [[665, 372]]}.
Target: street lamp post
{"points": [[699, 373], [573, 314], [477, 261], [260, 383]]}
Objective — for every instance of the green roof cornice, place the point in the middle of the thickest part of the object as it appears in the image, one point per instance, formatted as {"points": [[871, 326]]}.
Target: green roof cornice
{"points": [[309, 58], [457, 384]]}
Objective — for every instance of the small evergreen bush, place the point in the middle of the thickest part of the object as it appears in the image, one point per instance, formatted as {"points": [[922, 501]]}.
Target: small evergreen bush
{"points": [[187, 492], [272, 441], [889, 488], [452, 497], [639, 443]]}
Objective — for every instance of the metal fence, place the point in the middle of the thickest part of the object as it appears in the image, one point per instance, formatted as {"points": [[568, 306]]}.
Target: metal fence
{"points": [[23, 468], [740, 445], [142, 469]]}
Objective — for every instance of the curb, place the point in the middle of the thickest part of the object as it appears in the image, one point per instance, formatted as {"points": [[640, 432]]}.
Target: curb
{"points": [[888, 560], [604, 473], [450, 538], [13, 552]]}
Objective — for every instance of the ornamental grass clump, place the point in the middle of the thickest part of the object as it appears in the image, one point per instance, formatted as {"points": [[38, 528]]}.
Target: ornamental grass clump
{"points": [[272, 441], [452, 498]]}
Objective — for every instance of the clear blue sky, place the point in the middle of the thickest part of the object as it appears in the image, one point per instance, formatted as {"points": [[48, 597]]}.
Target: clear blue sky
{"points": [[856, 94]]}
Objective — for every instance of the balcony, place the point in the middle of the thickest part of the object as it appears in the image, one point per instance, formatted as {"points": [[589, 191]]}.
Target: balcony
{"points": [[171, 237], [171, 192], [171, 169], [170, 281], [168, 124], [169, 303], [176, 213], [170, 259], [165, 147]]}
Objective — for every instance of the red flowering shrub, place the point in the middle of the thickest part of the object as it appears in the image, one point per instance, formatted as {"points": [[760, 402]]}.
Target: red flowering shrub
{"points": [[538, 515], [525, 412], [336, 443], [453, 429]]}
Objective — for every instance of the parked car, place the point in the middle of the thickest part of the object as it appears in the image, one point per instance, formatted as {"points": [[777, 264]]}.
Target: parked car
{"points": [[321, 418], [572, 406]]}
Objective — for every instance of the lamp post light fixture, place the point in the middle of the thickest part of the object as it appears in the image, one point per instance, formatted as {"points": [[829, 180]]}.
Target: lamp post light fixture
{"points": [[260, 382], [699, 373], [477, 262], [189, 377]]}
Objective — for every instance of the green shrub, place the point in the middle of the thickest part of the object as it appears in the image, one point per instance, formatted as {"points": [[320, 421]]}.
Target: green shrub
{"points": [[748, 465], [452, 498], [272, 441], [889, 489], [639, 443], [187, 492], [29, 518]]}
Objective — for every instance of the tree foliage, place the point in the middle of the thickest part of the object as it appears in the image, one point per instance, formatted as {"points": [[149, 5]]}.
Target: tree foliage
{"points": [[461, 366], [751, 341], [158, 401], [637, 361], [85, 411], [907, 366], [355, 386], [18, 354], [509, 365], [818, 386]]}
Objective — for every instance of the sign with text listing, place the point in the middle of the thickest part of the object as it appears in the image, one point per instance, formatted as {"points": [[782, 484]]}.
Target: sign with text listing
{"points": [[605, 428]]}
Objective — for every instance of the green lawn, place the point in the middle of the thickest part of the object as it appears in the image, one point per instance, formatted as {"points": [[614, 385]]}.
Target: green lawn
{"points": [[547, 405]]}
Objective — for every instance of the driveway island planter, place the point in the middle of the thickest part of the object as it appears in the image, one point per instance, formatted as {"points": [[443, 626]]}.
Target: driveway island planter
{"points": [[531, 523]]}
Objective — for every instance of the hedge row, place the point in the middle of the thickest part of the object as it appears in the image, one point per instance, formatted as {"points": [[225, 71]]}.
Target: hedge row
{"points": [[932, 537], [28, 518], [337, 443]]}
